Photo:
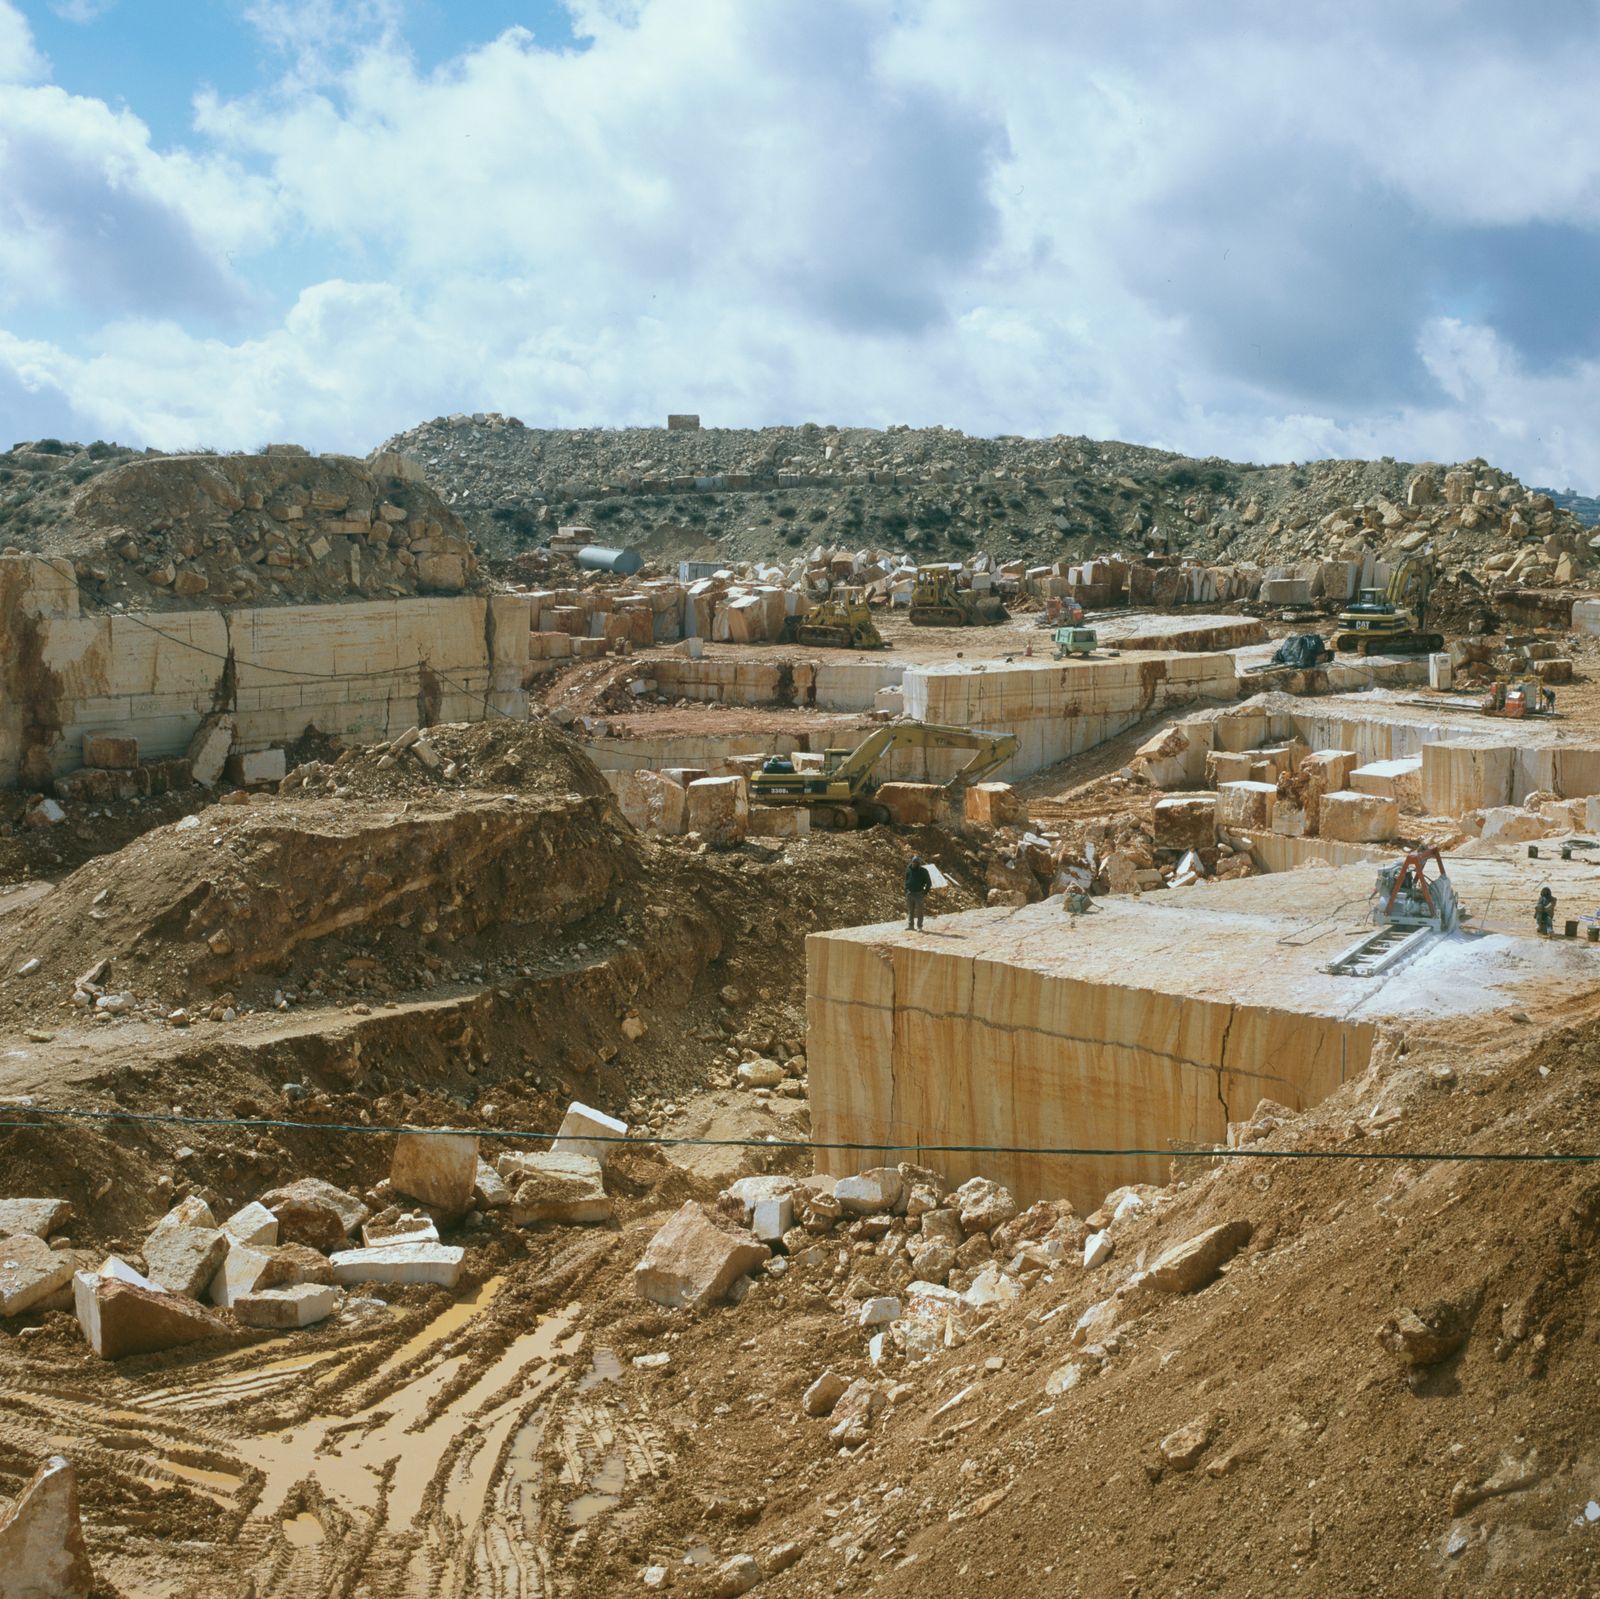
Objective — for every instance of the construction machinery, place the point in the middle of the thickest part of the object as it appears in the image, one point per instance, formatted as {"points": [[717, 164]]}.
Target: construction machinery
{"points": [[839, 792], [1075, 641], [1387, 621], [938, 601], [1409, 908], [1515, 697], [1300, 652], [841, 621]]}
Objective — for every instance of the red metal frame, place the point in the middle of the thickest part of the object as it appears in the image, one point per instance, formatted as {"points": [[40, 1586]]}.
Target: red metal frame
{"points": [[1413, 863]]}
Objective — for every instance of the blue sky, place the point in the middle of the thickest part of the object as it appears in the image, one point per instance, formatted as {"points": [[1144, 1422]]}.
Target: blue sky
{"points": [[1265, 232]]}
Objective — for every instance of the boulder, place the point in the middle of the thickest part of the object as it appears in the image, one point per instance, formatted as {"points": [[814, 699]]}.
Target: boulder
{"points": [[556, 1188], [995, 805], [38, 1216], [871, 1193], [42, 1552], [240, 1273], [439, 1264], [30, 1271], [1181, 1450], [313, 1212], [181, 1259], [1247, 805], [208, 749], [913, 804], [287, 1308], [1192, 1264], [982, 1204], [587, 1131], [855, 1413], [116, 752], [694, 1262], [1347, 817], [717, 808], [254, 1225], [735, 1576], [1421, 1339], [826, 1392], [440, 1169], [1513, 825], [122, 1313], [488, 1189], [396, 1226]]}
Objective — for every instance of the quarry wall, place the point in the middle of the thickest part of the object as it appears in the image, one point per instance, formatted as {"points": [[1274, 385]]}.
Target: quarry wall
{"points": [[361, 669], [915, 1046]]}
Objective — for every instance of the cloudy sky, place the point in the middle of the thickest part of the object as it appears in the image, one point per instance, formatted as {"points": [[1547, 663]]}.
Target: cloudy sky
{"points": [[1264, 231]]}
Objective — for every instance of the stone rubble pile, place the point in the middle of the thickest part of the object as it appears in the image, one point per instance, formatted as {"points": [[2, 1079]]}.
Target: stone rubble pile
{"points": [[938, 493], [281, 526], [285, 1259]]}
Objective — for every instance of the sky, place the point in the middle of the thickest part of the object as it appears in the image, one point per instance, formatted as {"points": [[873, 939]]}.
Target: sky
{"points": [[1265, 232]]}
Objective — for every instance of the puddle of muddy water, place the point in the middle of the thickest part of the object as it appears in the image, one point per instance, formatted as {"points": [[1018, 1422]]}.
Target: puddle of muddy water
{"points": [[227, 1482], [303, 1531], [442, 1326], [606, 1368], [606, 1483]]}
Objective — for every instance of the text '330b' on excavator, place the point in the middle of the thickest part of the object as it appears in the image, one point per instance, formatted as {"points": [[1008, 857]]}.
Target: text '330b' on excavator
{"points": [[839, 793]]}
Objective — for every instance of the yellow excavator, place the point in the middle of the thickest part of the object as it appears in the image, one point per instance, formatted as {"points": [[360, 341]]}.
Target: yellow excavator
{"points": [[938, 601], [1389, 621], [839, 793], [842, 621]]}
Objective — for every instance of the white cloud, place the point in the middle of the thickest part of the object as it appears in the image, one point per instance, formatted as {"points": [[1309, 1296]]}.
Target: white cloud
{"points": [[20, 62], [81, 11], [1343, 229]]}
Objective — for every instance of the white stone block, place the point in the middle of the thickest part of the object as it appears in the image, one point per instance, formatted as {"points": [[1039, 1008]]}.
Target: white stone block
{"points": [[254, 1224], [587, 1131], [399, 1263]]}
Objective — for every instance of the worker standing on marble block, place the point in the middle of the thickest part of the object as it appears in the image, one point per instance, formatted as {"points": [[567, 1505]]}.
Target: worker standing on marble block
{"points": [[1544, 911], [917, 885]]}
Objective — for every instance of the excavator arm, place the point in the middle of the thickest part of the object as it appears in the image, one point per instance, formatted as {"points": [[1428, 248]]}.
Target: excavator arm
{"points": [[990, 750], [1409, 583]]}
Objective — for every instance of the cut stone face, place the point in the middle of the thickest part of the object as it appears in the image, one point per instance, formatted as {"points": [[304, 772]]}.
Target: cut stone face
{"points": [[586, 1131], [255, 1224], [440, 1169], [183, 1260], [121, 1317], [299, 1306], [400, 1263]]}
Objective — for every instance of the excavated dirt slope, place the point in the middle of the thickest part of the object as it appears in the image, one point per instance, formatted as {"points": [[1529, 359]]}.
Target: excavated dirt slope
{"points": [[467, 950]]}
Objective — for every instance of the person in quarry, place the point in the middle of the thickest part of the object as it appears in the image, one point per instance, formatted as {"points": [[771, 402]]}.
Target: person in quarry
{"points": [[917, 885], [1544, 910]]}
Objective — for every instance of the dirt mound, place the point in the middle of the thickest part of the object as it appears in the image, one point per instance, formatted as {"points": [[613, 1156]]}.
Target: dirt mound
{"points": [[1254, 1434], [158, 532]]}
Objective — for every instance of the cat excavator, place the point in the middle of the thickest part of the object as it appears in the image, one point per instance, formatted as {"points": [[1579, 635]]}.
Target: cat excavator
{"points": [[839, 793], [1388, 621]]}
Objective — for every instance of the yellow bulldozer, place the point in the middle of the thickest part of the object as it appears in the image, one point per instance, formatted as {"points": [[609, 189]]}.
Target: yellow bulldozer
{"points": [[938, 601], [1389, 621], [842, 621], [839, 793]]}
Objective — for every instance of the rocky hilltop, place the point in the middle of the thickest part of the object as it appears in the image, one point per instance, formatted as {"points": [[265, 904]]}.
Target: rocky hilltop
{"points": [[158, 531], [738, 493]]}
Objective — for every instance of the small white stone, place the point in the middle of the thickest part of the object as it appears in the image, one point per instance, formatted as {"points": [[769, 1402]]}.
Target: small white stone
{"points": [[874, 1312], [1098, 1248]]}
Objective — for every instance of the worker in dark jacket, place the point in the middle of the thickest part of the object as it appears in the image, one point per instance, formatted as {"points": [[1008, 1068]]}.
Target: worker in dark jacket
{"points": [[1544, 910], [917, 885]]}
